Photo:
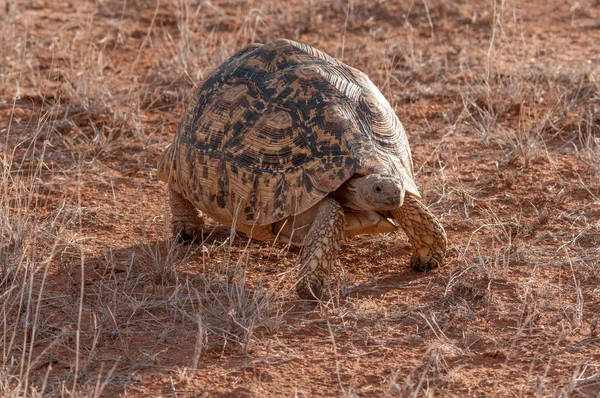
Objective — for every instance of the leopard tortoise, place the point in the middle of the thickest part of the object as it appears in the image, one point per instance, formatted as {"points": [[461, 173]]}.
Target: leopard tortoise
{"points": [[284, 142]]}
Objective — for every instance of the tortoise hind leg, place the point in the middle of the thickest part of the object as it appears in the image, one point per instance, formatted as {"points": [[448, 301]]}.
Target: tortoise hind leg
{"points": [[425, 233], [323, 241], [186, 220]]}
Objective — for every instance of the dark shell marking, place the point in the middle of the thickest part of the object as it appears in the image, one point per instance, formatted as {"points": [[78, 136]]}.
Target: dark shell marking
{"points": [[278, 127]]}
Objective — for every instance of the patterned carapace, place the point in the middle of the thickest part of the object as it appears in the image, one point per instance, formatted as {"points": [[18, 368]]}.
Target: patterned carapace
{"points": [[278, 127]]}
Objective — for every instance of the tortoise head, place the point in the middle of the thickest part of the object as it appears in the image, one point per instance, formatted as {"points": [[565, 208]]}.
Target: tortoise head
{"points": [[372, 192]]}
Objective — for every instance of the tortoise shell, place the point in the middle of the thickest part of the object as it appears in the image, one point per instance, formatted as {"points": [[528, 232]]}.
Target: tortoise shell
{"points": [[278, 127]]}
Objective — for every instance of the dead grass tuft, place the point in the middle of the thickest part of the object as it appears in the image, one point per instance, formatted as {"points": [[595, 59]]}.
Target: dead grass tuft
{"points": [[501, 102]]}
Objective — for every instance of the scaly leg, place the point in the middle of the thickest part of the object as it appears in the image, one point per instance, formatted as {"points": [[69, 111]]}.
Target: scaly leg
{"points": [[323, 241], [425, 233], [185, 218]]}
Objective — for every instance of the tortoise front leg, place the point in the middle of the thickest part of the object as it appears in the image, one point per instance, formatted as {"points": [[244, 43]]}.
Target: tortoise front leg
{"points": [[186, 221], [324, 239], [425, 233]]}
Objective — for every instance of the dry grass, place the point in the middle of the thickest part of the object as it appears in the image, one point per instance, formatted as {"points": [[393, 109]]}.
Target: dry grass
{"points": [[502, 105]]}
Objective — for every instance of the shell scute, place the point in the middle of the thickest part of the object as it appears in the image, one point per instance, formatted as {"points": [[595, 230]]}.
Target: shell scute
{"points": [[278, 127]]}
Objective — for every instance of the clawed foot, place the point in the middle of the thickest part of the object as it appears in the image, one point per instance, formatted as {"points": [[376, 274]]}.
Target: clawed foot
{"points": [[310, 288], [186, 232], [422, 264], [428, 258], [425, 233]]}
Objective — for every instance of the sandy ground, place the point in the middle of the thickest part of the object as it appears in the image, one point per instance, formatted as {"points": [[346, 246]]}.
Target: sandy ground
{"points": [[501, 103]]}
